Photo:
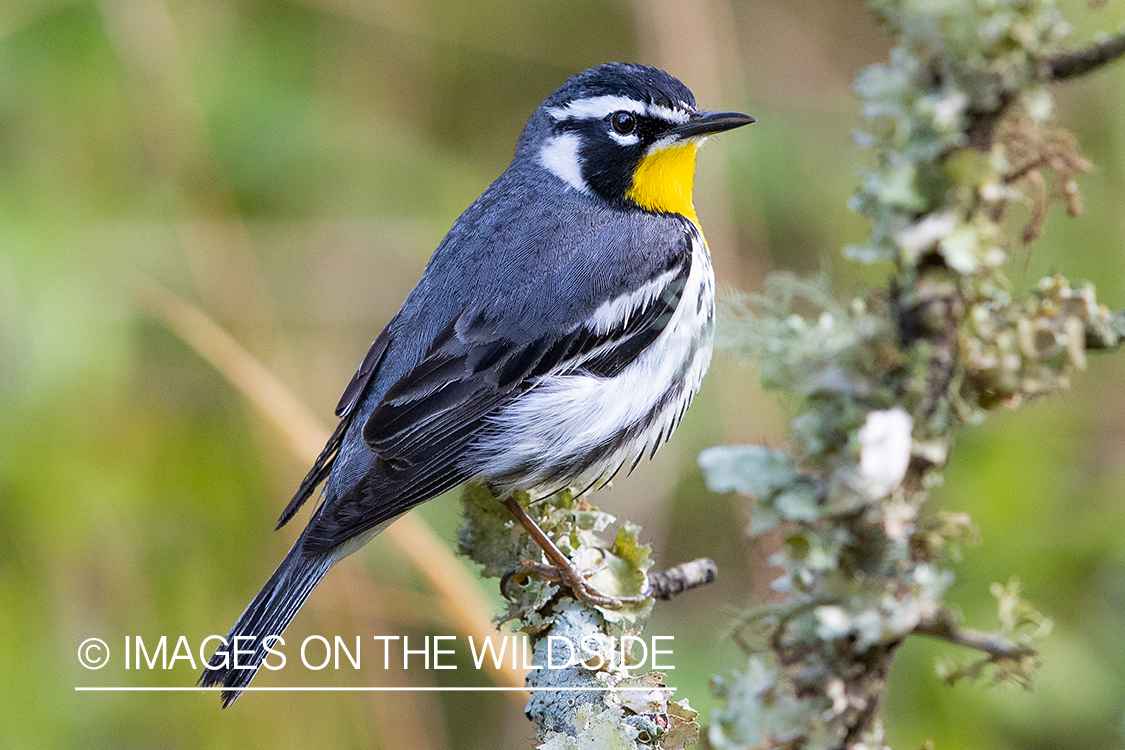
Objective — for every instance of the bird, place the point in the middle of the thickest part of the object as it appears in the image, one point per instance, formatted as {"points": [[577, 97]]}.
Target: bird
{"points": [[557, 335]]}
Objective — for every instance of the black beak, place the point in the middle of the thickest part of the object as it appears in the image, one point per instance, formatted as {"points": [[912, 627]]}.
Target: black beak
{"points": [[706, 123]]}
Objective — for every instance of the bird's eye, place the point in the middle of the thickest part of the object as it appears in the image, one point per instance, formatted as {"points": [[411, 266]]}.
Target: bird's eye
{"points": [[623, 123]]}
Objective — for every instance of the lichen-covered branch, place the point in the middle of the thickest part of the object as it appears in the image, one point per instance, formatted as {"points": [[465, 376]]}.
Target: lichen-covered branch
{"points": [[1083, 61], [666, 584], [996, 646], [1009, 652], [582, 649], [961, 126]]}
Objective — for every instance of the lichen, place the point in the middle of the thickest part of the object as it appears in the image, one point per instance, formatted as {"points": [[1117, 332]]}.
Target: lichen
{"points": [[601, 703], [960, 123]]}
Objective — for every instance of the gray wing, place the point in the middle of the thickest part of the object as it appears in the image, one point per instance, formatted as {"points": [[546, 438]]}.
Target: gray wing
{"points": [[497, 348]]}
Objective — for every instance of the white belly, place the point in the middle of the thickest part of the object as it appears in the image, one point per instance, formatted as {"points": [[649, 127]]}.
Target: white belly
{"points": [[574, 428]]}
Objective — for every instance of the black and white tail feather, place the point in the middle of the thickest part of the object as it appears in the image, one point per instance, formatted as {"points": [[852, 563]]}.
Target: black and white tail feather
{"points": [[264, 620]]}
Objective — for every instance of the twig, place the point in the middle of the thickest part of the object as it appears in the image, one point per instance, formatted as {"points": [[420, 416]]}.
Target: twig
{"points": [[1057, 68], [666, 584], [1079, 62], [982, 123], [1107, 337], [996, 646]]}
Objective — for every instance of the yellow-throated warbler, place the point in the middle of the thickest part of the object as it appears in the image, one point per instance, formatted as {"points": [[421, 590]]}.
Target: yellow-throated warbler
{"points": [[559, 333]]}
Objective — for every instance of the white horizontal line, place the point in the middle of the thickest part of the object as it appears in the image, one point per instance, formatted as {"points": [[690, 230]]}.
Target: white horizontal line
{"points": [[469, 689]]}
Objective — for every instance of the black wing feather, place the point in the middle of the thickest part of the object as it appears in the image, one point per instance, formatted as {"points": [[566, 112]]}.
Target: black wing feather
{"points": [[320, 470], [353, 394], [641, 330], [362, 378], [429, 418]]}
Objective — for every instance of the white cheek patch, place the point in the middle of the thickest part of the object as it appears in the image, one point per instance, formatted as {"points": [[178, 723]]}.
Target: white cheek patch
{"points": [[560, 155]]}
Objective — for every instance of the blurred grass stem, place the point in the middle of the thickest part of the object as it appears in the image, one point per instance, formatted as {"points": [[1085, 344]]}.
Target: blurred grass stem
{"points": [[459, 595]]}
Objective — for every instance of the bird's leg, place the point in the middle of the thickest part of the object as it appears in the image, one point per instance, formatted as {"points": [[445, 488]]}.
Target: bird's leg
{"points": [[560, 568]]}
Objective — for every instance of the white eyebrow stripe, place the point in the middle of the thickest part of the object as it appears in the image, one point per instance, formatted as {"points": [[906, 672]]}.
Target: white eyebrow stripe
{"points": [[560, 155], [596, 107], [667, 113]]}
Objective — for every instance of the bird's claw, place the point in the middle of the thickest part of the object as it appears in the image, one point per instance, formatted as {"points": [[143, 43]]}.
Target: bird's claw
{"points": [[572, 578]]}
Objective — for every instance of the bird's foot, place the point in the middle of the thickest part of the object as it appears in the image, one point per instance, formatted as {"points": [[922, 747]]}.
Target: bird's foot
{"points": [[560, 568], [572, 578]]}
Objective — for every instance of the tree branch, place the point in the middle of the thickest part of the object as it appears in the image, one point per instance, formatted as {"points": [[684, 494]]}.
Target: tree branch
{"points": [[1083, 61], [666, 584], [997, 646]]}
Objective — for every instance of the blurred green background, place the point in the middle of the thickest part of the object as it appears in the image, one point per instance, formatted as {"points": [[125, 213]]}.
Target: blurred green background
{"points": [[288, 167]]}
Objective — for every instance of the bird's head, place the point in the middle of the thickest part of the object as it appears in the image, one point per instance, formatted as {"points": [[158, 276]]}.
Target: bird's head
{"points": [[627, 133]]}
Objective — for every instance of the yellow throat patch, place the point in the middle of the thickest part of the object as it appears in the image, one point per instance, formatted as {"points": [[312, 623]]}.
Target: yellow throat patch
{"points": [[664, 178]]}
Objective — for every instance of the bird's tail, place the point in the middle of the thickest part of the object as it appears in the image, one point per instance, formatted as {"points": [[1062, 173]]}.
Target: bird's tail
{"points": [[235, 663]]}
